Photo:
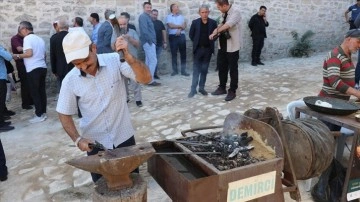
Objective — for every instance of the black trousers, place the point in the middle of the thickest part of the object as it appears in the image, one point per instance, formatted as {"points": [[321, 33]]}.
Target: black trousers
{"points": [[3, 90], [258, 44], [26, 99], [3, 168], [352, 25], [332, 127], [131, 141], [228, 62], [178, 43], [36, 80]]}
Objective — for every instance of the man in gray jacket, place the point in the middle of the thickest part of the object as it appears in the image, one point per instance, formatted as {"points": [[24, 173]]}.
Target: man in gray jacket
{"points": [[104, 35], [148, 40]]}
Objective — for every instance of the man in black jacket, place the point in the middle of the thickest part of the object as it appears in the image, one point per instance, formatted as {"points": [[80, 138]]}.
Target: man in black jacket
{"points": [[203, 48], [257, 26], [59, 65]]}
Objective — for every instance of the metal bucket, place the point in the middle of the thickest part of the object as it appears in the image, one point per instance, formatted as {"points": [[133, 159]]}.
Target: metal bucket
{"points": [[311, 146]]}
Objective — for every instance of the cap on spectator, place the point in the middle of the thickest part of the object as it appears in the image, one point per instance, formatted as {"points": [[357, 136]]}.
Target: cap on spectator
{"points": [[353, 33], [95, 16], [76, 45], [112, 16]]}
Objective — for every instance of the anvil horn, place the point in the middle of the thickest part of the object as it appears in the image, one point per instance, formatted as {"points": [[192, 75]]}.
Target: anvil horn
{"points": [[115, 169]]}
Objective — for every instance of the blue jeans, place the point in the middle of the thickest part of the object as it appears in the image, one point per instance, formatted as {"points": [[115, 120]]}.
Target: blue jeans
{"points": [[228, 62], [158, 53], [150, 58], [201, 63], [178, 42]]}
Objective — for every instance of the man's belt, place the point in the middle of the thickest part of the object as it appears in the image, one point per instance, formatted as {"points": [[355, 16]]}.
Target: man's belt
{"points": [[174, 35]]}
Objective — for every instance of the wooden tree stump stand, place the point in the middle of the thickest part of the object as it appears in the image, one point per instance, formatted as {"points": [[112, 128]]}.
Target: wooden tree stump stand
{"points": [[136, 193]]}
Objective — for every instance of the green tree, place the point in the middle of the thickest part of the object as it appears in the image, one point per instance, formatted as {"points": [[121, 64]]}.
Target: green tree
{"points": [[302, 45]]}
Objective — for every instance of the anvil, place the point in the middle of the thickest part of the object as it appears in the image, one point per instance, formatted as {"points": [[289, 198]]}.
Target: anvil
{"points": [[116, 168]]}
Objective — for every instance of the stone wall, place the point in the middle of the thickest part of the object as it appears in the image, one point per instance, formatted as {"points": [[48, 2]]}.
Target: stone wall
{"points": [[324, 17]]}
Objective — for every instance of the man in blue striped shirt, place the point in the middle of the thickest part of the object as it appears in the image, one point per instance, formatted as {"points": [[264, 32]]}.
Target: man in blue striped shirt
{"points": [[176, 25]]}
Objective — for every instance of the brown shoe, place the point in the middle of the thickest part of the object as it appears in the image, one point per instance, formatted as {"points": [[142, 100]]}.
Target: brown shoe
{"points": [[219, 91], [230, 96]]}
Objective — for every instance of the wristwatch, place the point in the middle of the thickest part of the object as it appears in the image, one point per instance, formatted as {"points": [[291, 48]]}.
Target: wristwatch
{"points": [[18, 56], [77, 141]]}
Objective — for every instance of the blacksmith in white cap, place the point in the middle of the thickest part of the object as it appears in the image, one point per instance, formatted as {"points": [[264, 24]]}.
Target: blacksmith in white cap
{"points": [[97, 86]]}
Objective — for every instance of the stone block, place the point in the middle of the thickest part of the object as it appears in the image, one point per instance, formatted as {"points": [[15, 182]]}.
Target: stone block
{"points": [[66, 9], [26, 17], [19, 9], [80, 11], [85, 2], [45, 25], [30, 2], [124, 3], [58, 185], [33, 193], [51, 10], [81, 178]]}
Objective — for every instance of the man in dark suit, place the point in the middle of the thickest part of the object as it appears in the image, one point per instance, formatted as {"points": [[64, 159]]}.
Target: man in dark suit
{"points": [[257, 26], [59, 65], [104, 35], [203, 48]]}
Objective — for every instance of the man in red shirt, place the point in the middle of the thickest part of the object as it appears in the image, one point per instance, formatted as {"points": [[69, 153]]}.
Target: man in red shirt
{"points": [[339, 71], [17, 48]]}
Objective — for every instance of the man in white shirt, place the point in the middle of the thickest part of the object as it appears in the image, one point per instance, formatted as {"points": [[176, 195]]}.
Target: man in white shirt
{"points": [[97, 86], [34, 59]]}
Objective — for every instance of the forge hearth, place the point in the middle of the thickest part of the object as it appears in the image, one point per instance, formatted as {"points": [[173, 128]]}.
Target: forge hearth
{"points": [[190, 177], [232, 150]]}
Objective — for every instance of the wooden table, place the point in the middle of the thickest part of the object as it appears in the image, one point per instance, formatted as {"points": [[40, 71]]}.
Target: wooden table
{"points": [[343, 121]]}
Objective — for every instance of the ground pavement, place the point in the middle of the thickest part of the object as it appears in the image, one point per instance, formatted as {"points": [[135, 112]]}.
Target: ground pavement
{"points": [[36, 152]]}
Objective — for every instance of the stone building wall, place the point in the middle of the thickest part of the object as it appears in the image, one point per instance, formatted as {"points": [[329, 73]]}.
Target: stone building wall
{"points": [[324, 17]]}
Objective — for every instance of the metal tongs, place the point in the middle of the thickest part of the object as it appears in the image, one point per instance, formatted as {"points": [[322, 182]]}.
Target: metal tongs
{"points": [[98, 145], [194, 143], [185, 152]]}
